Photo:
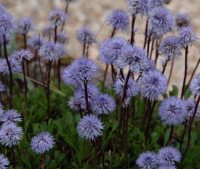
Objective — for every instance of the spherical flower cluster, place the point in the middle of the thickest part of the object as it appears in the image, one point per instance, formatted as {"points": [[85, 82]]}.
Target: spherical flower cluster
{"points": [[147, 160], [24, 25], [172, 111], [132, 57], [52, 51], [160, 21], [155, 3], [187, 36], [167, 157], [42, 142], [10, 134], [15, 66], [81, 70], [90, 127], [111, 49], [62, 37], [6, 26], [35, 42], [78, 102], [138, 7], [190, 107], [22, 54], [103, 104], [48, 31], [86, 36], [119, 20], [148, 65], [57, 17], [182, 20], [170, 48], [153, 84], [195, 85], [4, 163], [132, 87], [10, 116]]}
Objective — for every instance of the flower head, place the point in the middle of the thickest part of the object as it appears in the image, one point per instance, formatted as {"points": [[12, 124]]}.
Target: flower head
{"points": [[170, 48], [15, 65], [4, 163], [103, 104], [132, 57], [21, 54], [57, 17], [160, 21], [195, 85], [90, 127], [118, 19], [42, 142], [138, 7], [147, 160], [167, 156], [10, 116], [190, 107], [80, 70], [155, 3], [48, 31], [172, 111], [153, 84], [86, 36], [148, 65], [111, 49], [52, 51], [187, 36], [35, 42], [78, 102], [10, 134], [24, 25], [62, 37]]}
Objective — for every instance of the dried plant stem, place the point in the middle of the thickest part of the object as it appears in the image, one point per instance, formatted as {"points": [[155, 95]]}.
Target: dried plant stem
{"points": [[185, 71], [48, 86], [10, 73], [146, 33], [132, 29]]}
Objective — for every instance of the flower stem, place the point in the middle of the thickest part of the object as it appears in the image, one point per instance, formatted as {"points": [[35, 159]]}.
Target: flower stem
{"points": [[132, 29], [86, 97], [170, 134], [170, 72], [146, 34], [48, 86]]}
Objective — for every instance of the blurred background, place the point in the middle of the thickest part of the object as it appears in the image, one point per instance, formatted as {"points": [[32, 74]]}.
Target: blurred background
{"points": [[92, 13]]}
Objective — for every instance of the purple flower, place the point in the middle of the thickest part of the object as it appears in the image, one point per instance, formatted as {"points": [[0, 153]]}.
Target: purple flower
{"points": [[48, 31], [42, 142], [35, 42], [155, 3], [190, 107], [111, 49], [4, 163], [21, 54], [52, 51], [182, 20], [6, 26], [138, 7], [172, 111], [148, 65], [118, 19], [170, 48], [103, 104], [167, 156], [195, 85], [78, 102], [160, 21], [86, 36], [57, 17], [132, 88], [152, 85], [187, 36], [10, 116], [2, 87], [80, 70], [15, 66], [147, 160], [132, 57], [24, 25], [10, 134], [90, 127], [62, 37]]}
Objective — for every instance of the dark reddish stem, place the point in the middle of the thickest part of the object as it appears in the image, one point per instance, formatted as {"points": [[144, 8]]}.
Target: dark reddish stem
{"points": [[86, 97], [146, 34], [132, 29]]}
